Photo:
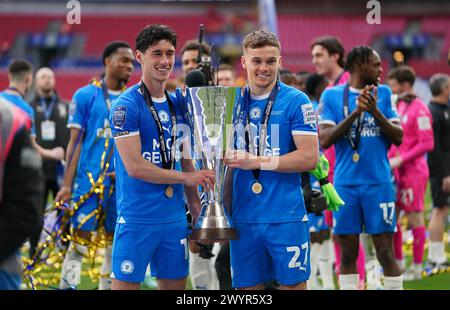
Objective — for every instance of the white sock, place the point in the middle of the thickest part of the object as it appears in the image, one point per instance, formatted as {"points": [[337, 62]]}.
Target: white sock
{"points": [[326, 265], [71, 271], [393, 283], [401, 263], [105, 280], [348, 281], [416, 268], [432, 251], [313, 283], [369, 249], [440, 253], [373, 275]]}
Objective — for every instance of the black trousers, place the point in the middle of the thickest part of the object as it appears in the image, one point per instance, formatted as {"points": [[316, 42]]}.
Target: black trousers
{"points": [[50, 186]]}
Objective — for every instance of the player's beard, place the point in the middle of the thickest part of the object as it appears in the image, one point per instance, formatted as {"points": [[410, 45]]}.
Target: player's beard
{"points": [[122, 82], [368, 80], [46, 90]]}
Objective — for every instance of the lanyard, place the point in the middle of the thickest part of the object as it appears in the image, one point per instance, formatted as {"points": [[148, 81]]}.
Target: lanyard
{"points": [[16, 90], [168, 160], [263, 125], [48, 108], [106, 95], [336, 81], [353, 143]]}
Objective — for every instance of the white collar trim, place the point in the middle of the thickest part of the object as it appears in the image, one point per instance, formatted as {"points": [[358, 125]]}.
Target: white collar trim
{"points": [[159, 100], [263, 96], [114, 92], [355, 90]]}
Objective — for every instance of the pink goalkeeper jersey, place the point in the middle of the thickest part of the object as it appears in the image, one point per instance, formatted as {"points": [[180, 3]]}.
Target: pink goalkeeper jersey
{"points": [[418, 139]]}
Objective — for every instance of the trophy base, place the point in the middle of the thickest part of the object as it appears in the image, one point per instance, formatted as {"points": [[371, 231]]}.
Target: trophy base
{"points": [[214, 234]]}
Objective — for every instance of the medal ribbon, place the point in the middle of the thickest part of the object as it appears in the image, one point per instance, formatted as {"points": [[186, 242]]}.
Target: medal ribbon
{"points": [[263, 125], [168, 160], [353, 143]]}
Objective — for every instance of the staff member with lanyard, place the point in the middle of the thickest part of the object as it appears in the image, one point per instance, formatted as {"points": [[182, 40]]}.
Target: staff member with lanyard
{"points": [[50, 113]]}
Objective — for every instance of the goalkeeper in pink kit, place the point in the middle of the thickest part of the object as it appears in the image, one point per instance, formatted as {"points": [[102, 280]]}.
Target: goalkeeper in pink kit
{"points": [[409, 164]]}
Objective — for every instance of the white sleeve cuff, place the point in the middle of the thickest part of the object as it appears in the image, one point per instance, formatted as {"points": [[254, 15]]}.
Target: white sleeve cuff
{"points": [[327, 122], [129, 134], [304, 133], [74, 125]]}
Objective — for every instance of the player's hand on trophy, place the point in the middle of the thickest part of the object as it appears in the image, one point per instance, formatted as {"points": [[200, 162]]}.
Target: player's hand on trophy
{"points": [[242, 160], [205, 178]]}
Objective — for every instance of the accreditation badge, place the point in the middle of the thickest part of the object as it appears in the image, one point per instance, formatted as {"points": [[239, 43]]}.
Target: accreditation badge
{"points": [[48, 130]]}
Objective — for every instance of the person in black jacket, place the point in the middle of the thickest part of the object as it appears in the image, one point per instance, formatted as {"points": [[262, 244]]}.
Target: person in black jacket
{"points": [[51, 114], [21, 186], [439, 165]]}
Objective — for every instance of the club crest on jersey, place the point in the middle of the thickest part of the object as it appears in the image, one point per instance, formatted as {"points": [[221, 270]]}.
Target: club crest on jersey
{"points": [[119, 116], [255, 113], [127, 267], [163, 116]]}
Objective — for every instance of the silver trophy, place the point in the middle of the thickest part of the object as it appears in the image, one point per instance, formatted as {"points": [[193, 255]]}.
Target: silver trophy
{"points": [[211, 116]]}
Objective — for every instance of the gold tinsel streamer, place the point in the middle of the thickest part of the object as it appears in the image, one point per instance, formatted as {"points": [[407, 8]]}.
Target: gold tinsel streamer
{"points": [[43, 270]]}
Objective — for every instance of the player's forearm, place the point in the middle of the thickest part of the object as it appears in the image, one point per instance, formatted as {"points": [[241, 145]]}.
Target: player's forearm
{"points": [[192, 200], [45, 154], [419, 149], [393, 132], [146, 171], [296, 161], [329, 135], [72, 157], [191, 192]]}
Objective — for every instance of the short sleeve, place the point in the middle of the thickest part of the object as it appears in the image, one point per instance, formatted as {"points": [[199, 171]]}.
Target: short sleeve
{"points": [[78, 109], [327, 116], [391, 103], [124, 118], [303, 116]]}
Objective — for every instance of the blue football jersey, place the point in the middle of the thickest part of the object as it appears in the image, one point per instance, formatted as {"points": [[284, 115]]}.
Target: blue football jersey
{"points": [[89, 111], [23, 105], [281, 199], [139, 201], [373, 164]]}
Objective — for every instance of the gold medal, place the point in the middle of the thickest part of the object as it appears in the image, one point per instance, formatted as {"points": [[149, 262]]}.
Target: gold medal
{"points": [[355, 157], [169, 192], [257, 188]]}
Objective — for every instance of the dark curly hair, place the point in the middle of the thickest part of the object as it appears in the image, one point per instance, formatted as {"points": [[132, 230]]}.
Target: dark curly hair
{"points": [[154, 33], [357, 56], [112, 47]]}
